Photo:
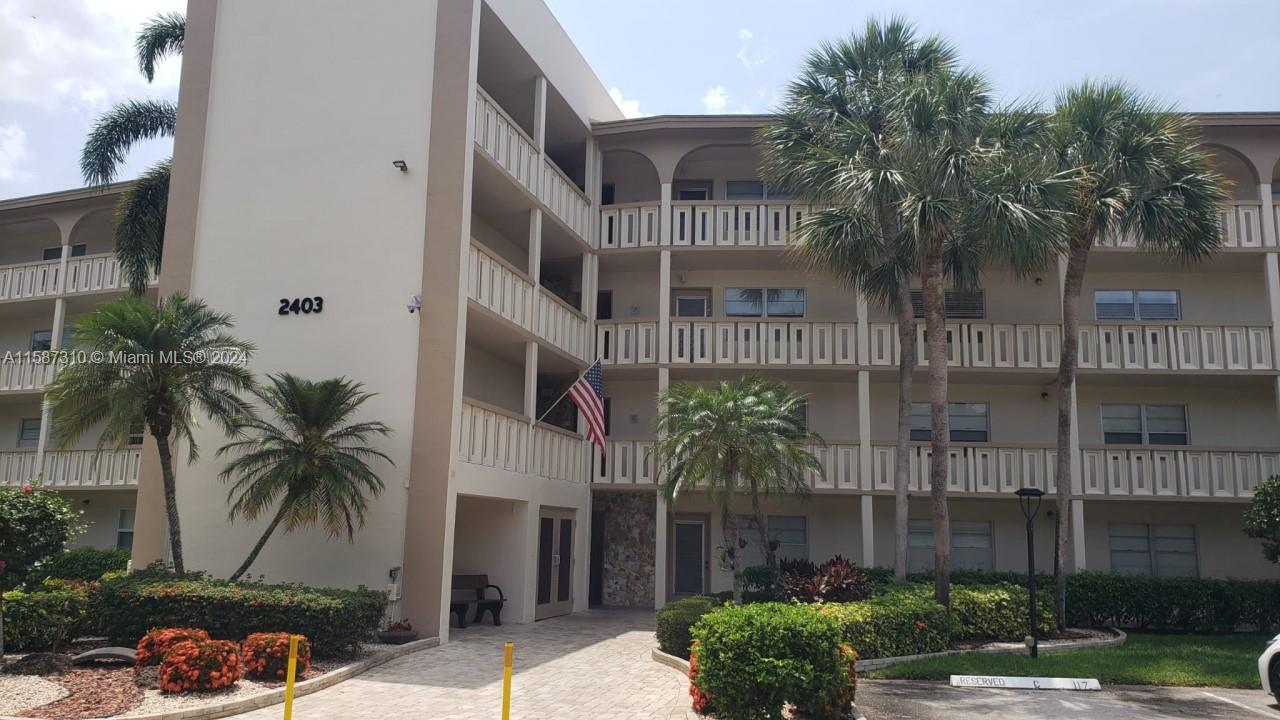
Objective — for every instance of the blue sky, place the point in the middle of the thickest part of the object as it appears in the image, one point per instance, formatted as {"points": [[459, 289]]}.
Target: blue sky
{"points": [[62, 62]]}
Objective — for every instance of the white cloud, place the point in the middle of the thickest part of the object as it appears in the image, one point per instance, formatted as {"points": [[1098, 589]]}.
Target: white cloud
{"points": [[13, 152], [716, 99], [750, 60], [76, 54], [629, 108]]}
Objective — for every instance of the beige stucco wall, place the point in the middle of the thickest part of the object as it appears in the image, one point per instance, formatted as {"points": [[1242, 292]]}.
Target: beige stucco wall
{"points": [[1017, 413], [1231, 416], [1211, 298], [488, 534], [492, 379], [100, 509]]}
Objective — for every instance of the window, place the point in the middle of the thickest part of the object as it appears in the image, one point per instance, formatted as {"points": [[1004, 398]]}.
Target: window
{"points": [[764, 302], [137, 429], [1136, 305], [693, 304], [692, 190], [29, 432], [604, 305], [1144, 424], [54, 253], [801, 417], [606, 193], [1162, 550], [743, 190], [963, 304], [969, 422], [124, 530], [790, 532], [971, 547], [41, 339]]}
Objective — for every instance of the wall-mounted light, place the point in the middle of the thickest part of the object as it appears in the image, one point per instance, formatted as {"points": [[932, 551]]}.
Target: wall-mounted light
{"points": [[401, 165], [1039, 282]]}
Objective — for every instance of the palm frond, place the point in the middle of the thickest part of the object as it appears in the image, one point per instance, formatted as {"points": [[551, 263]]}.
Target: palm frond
{"points": [[139, 226], [160, 37], [116, 130]]}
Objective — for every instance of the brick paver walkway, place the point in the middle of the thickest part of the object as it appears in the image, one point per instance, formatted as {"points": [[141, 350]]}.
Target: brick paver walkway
{"points": [[587, 666]]}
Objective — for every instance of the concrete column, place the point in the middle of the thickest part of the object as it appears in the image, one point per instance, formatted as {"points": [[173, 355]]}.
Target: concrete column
{"points": [[535, 246], [863, 332], [664, 306], [529, 588], [430, 505], [1269, 230], [664, 215], [55, 342], [864, 463], [1271, 269], [868, 533], [531, 380], [540, 114], [1077, 536], [660, 552]]}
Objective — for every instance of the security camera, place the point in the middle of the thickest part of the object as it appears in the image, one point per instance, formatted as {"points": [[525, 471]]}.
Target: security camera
{"points": [[414, 304]]}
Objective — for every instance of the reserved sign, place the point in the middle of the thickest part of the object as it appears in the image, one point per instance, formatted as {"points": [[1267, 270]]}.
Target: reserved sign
{"points": [[1024, 683]]}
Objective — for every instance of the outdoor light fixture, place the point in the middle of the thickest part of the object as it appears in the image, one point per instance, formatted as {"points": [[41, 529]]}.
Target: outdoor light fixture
{"points": [[1029, 500], [400, 165]]}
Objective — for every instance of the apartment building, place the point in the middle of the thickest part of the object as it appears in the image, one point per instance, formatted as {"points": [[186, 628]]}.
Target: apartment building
{"points": [[56, 264], [464, 152]]}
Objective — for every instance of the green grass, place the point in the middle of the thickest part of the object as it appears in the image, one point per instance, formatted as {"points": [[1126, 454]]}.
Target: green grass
{"points": [[1189, 660]]}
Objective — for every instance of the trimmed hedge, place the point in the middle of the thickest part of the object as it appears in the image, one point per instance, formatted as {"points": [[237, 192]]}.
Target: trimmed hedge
{"points": [[199, 666], [83, 564], [335, 621], [904, 622], [997, 612], [675, 620], [44, 618], [266, 656], [1184, 604], [753, 659]]}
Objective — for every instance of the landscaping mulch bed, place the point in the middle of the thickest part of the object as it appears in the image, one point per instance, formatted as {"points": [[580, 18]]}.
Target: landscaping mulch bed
{"points": [[94, 693], [1069, 634]]}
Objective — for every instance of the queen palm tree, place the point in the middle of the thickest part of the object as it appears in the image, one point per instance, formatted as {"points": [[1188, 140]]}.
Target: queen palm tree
{"points": [[161, 363], [739, 436], [829, 145], [308, 460], [1143, 173], [140, 211]]}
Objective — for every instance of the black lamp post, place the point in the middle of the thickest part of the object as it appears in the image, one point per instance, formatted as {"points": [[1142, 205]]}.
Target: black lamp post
{"points": [[1029, 500]]}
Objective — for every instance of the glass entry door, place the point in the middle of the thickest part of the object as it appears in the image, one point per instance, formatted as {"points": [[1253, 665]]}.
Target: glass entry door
{"points": [[555, 563]]}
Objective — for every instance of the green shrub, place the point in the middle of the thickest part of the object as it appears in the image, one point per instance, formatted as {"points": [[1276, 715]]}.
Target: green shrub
{"points": [[1184, 604], [997, 612], [35, 524], [44, 618], [753, 659], [335, 621], [902, 622], [675, 619], [84, 564]]}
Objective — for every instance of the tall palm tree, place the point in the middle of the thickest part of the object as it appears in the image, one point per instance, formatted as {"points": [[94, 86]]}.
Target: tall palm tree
{"points": [[140, 211], [829, 145], [1141, 172], [162, 363], [308, 460], [739, 436]]}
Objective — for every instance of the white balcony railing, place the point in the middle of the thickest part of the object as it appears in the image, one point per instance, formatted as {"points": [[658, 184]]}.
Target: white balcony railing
{"points": [[94, 273], [1181, 472], [72, 468], [1176, 347], [498, 438], [973, 469], [723, 223], [29, 280], [631, 462], [502, 139], [22, 372], [1240, 223], [738, 342], [501, 288], [88, 273], [629, 226]]}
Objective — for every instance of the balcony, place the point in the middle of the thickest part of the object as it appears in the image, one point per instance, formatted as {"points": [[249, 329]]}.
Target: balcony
{"points": [[20, 372], [72, 469], [986, 469], [722, 223], [1240, 221], [502, 289], [493, 437], [501, 139], [85, 274]]}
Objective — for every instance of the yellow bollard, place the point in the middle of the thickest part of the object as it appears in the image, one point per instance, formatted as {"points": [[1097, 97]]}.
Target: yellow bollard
{"points": [[288, 683], [507, 655]]}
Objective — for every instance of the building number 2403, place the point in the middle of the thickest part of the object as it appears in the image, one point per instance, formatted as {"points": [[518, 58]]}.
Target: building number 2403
{"points": [[306, 305]]}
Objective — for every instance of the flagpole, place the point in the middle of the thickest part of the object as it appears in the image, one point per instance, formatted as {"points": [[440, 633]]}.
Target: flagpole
{"points": [[566, 392]]}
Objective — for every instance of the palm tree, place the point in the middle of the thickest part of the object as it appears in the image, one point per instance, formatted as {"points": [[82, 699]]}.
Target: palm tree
{"points": [[1142, 172], [309, 457], [743, 435], [140, 211], [162, 363], [829, 145]]}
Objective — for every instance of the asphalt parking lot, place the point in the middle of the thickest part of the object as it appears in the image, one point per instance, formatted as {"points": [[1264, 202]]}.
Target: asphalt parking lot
{"points": [[908, 700]]}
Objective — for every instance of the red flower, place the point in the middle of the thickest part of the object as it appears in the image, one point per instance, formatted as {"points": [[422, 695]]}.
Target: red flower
{"points": [[27, 489]]}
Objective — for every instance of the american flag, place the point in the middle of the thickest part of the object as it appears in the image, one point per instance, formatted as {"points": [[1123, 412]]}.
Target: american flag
{"points": [[588, 394]]}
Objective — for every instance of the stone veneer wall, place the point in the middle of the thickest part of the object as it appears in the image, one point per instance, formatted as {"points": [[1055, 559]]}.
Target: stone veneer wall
{"points": [[630, 524]]}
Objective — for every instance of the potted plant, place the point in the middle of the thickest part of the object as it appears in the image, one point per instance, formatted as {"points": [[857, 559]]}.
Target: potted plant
{"points": [[398, 633]]}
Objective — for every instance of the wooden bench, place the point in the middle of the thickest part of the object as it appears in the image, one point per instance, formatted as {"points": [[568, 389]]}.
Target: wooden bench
{"points": [[479, 584]]}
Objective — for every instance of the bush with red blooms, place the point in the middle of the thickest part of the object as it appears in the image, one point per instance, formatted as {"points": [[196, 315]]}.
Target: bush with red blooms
{"points": [[200, 665], [701, 703], [836, 580], [157, 641], [266, 655]]}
